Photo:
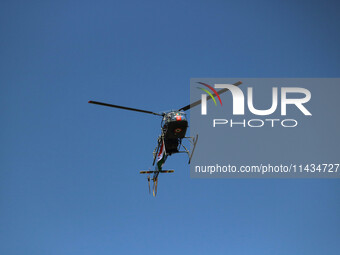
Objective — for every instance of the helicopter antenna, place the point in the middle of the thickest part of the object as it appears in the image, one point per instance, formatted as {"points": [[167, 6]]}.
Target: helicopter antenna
{"points": [[125, 108], [208, 98]]}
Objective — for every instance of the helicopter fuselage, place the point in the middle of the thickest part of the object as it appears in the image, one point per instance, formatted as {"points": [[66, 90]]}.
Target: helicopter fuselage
{"points": [[174, 128]]}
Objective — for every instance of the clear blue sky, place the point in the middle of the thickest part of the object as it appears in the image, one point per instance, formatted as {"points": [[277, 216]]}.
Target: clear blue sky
{"points": [[69, 181]]}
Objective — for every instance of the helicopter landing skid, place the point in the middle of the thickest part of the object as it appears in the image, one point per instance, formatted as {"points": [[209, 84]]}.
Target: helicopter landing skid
{"points": [[193, 142]]}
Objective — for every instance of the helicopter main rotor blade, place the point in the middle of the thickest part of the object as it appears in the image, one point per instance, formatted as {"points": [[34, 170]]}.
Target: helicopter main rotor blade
{"points": [[208, 98], [125, 108]]}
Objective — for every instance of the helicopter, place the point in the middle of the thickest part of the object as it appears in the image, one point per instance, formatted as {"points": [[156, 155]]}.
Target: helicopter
{"points": [[174, 125]]}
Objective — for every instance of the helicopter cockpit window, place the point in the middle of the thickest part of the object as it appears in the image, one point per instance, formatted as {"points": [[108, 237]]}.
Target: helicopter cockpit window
{"points": [[175, 116], [178, 116]]}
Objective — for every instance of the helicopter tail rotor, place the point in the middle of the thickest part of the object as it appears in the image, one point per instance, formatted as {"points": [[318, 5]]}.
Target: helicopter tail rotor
{"points": [[154, 179], [155, 182], [149, 184]]}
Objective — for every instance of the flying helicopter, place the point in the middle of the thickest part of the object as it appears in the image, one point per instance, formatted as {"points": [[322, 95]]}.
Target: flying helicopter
{"points": [[174, 126]]}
